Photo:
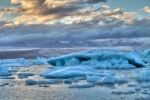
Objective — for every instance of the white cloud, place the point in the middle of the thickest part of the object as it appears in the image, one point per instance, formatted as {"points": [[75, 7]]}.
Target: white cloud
{"points": [[147, 9]]}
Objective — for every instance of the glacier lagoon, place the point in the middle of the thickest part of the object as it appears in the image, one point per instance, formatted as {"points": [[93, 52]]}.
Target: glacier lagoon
{"points": [[117, 72]]}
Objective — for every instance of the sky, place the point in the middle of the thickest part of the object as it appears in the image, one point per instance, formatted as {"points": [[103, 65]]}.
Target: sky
{"points": [[76, 19], [49, 10]]}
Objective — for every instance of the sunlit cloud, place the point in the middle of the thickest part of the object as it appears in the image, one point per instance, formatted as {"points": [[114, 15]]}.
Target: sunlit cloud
{"points": [[41, 11], [1, 14], [147, 9]]}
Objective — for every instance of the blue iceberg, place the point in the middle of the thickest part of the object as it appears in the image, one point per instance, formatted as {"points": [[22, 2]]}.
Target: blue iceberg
{"points": [[71, 72], [146, 56], [4, 71], [22, 62], [100, 59]]}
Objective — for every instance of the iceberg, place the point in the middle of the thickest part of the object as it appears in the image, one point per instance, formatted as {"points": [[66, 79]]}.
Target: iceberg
{"points": [[146, 56], [39, 61], [4, 71], [71, 72], [100, 59]]}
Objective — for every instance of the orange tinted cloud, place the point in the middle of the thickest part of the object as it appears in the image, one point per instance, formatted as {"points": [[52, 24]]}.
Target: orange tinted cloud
{"points": [[147, 9]]}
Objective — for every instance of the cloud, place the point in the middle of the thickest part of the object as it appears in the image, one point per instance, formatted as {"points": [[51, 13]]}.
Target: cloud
{"points": [[98, 15], [111, 28], [46, 10], [147, 9], [1, 14], [109, 12], [67, 11], [95, 1]]}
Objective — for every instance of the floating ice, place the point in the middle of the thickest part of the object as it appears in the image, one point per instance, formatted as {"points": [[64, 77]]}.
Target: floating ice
{"points": [[144, 75], [109, 79], [100, 59], [93, 78], [21, 62], [84, 85], [4, 71], [15, 62], [39, 61], [70, 72], [34, 82], [30, 82], [146, 56], [25, 75], [86, 64], [123, 92]]}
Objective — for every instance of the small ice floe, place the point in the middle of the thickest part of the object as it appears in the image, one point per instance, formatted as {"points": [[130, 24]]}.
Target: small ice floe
{"points": [[145, 92], [22, 62], [109, 79], [71, 72], [100, 59], [138, 88], [7, 77], [144, 76], [131, 85], [93, 78], [38, 82], [4, 71], [24, 75], [30, 82], [4, 84], [15, 62], [119, 92], [84, 85], [145, 85], [143, 98]]}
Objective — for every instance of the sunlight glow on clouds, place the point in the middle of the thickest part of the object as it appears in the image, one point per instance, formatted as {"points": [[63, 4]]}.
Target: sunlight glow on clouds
{"points": [[46, 10], [1, 14], [147, 9], [56, 20], [51, 11]]}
